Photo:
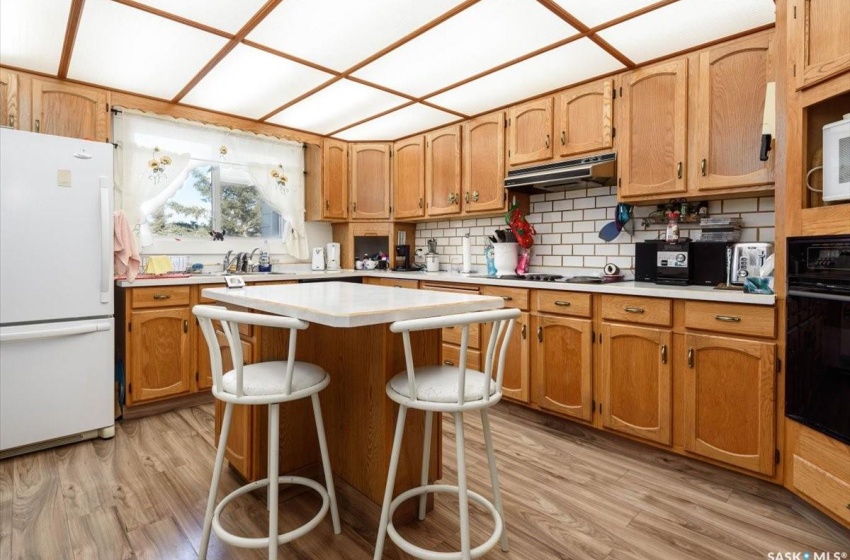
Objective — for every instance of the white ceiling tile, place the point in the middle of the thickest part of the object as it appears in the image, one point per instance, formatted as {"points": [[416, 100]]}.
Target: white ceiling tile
{"points": [[340, 33], [574, 62], [488, 34], [125, 48], [32, 33], [225, 15], [342, 103], [685, 24], [398, 124], [599, 11], [252, 83]]}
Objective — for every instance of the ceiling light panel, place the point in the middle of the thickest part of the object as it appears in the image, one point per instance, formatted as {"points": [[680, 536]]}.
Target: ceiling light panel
{"points": [[340, 104], [32, 33], [574, 62], [225, 15], [485, 35], [252, 83], [128, 49], [340, 33], [600, 11], [685, 24], [398, 124]]}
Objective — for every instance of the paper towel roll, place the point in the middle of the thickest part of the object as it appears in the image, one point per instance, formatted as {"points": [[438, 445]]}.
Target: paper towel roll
{"points": [[467, 255]]}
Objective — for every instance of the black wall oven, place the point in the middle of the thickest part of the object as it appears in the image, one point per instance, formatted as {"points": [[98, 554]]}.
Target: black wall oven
{"points": [[817, 385]]}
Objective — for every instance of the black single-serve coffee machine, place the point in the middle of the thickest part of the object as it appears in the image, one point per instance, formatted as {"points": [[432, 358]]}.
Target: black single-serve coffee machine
{"points": [[402, 257]]}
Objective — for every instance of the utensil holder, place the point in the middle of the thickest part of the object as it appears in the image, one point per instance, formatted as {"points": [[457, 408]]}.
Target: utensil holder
{"points": [[506, 258]]}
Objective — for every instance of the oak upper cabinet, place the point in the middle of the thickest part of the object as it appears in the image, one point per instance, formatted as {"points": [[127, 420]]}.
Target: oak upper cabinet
{"points": [[334, 180], [69, 110], [821, 31], [584, 118], [730, 82], [484, 163], [729, 400], [443, 171], [370, 181], [9, 115], [563, 367], [653, 124], [530, 132], [409, 178], [636, 394]]}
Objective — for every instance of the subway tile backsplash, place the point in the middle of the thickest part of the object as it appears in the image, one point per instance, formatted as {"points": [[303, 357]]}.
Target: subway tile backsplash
{"points": [[568, 223]]}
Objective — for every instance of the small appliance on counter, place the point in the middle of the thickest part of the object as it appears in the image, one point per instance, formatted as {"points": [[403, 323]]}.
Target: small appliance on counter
{"points": [[432, 258], [318, 260], [673, 263], [645, 260], [709, 262], [747, 260], [836, 160], [332, 256], [402, 258]]}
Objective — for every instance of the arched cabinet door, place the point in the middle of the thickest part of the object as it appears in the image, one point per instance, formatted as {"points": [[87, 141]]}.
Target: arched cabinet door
{"points": [[370, 181], [530, 132], [409, 178], [442, 171], [584, 119], [564, 368], [484, 164], [69, 110]]}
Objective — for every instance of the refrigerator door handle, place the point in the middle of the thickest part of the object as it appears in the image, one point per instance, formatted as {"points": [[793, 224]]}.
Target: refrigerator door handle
{"points": [[106, 239], [28, 336]]}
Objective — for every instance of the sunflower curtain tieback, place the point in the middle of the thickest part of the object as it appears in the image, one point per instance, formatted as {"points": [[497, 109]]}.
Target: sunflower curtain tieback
{"points": [[280, 178], [157, 166]]}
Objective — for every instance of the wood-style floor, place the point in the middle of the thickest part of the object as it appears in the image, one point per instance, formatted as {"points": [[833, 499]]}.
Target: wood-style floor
{"points": [[569, 492]]}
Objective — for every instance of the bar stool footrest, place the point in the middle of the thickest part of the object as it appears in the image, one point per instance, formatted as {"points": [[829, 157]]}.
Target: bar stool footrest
{"points": [[263, 542], [426, 554]]}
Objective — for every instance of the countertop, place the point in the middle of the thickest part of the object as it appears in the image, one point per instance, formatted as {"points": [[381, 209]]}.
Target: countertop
{"points": [[344, 304], [648, 289]]}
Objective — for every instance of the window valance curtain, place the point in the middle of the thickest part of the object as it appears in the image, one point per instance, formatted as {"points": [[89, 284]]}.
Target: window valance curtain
{"points": [[158, 154]]}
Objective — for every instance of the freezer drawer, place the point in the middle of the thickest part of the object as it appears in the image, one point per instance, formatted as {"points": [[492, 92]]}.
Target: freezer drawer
{"points": [[56, 380]]}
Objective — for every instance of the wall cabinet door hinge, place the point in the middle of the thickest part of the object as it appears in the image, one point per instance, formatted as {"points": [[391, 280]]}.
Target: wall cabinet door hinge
{"points": [[778, 365], [621, 91], [776, 456], [613, 132], [795, 12], [197, 377], [593, 337], [130, 388], [129, 327], [600, 338], [600, 408]]}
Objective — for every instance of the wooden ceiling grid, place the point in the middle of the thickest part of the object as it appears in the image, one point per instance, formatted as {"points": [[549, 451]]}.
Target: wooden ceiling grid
{"points": [[240, 36]]}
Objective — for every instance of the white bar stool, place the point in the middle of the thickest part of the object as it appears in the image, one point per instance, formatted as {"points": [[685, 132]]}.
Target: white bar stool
{"points": [[455, 390], [268, 383]]}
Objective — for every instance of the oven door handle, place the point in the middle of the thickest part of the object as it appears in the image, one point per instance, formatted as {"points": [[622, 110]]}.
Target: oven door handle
{"points": [[818, 295]]}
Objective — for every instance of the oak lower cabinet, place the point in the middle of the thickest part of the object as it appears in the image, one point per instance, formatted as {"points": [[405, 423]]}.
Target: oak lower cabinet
{"points": [[409, 178], [158, 342], [334, 180], [9, 115], [729, 389], [484, 164], [443, 171], [516, 383], [70, 110], [820, 470], [820, 39], [370, 181], [563, 365], [637, 381], [530, 132]]}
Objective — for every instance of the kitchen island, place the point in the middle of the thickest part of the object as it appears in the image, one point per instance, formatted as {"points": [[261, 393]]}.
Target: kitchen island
{"points": [[349, 337]]}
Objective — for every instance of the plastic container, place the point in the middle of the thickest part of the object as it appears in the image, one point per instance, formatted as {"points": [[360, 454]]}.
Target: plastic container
{"points": [[491, 265], [265, 261]]}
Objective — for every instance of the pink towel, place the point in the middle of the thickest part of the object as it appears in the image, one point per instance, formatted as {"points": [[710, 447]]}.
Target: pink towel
{"points": [[127, 260]]}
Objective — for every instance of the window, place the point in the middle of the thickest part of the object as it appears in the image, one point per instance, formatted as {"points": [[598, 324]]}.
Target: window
{"points": [[219, 198]]}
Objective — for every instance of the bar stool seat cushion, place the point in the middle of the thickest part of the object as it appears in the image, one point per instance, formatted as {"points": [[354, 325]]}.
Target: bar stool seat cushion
{"points": [[438, 384], [267, 378]]}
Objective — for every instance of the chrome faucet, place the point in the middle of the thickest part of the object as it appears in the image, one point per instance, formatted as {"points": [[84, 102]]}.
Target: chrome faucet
{"points": [[228, 262]]}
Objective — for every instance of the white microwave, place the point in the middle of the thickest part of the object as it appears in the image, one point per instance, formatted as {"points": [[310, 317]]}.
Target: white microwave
{"points": [[836, 160]]}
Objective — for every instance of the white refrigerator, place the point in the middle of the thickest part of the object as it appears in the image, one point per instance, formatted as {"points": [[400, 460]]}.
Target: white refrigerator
{"points": [[57, 334]]}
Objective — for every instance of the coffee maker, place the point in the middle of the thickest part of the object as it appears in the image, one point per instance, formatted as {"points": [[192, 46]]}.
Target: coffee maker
{"points": [[402, 257]]}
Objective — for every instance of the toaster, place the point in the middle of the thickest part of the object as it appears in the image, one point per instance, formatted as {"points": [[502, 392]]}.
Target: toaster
{"points": [[747, 260]]}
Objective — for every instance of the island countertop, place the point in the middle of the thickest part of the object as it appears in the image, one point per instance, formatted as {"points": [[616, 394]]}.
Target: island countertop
{"points": [[343, 304]]}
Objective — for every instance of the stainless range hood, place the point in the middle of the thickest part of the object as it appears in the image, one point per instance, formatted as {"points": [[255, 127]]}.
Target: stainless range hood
{"points": [[591, 171]]}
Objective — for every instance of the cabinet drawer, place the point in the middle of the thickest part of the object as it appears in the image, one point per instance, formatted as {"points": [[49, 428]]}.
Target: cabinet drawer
{"points": [[448, 287], [453, 334], [634, 309], [827, 490], [514, 297], [451, 357], [731, 318], [166, 296], [392, 282], [563, 303]]}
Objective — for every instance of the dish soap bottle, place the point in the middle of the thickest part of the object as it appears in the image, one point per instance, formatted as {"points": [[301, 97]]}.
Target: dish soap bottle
{"points": [[265, 263]]}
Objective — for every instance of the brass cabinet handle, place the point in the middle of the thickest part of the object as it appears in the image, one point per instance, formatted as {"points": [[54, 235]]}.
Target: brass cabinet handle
{"points": [[702, 167], [457, 198], [420, 203], [563, 138], [451, 198], [679, 170], [524, 332], [185, 326], [629, 309], [466, 197], [539, 334], [663, 353], [12, 121], [547, 140], [691, 358], [37, 125], [728, 318], [560, 303], [448, 363], [474, 196], [507, 298], [327, 205], [161, 296], [354, 206]]}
